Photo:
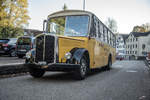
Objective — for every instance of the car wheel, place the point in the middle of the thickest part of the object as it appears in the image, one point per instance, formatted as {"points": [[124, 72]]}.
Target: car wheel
{"points": [[20, 56], [36, 73], [12, 53], [82, 71]]}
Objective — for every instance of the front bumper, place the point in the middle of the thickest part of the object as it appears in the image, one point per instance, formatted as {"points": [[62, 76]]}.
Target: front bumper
{"points": [[55, 67], [21, 52], [4, 52]]}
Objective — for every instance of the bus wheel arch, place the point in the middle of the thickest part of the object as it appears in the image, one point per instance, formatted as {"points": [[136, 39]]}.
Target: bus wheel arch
{"points": [[109, 64], [81, 56], [79, 53]]}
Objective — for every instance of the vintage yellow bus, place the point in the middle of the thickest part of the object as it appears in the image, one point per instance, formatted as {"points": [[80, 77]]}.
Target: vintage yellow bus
{"points": [[73, 40]]}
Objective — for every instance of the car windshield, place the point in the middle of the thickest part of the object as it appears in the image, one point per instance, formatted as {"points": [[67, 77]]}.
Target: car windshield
{"points": [[24, 41], [4, 41], [12, 41], [69, 25]]}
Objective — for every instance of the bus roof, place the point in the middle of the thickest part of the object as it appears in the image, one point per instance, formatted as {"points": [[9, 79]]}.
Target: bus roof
{"points": [[74, 12], [70, 12]]}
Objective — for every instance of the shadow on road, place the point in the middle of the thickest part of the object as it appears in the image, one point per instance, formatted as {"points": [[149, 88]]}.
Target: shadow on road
{"points": [[66, 77]]}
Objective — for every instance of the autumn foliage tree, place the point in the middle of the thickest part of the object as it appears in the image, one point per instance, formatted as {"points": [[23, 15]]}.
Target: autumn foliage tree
{"points": [[142, 28], [13, 17]]}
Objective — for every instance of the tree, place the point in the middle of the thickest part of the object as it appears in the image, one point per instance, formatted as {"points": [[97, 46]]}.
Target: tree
{"points": [[146, 27], [65, 7], [8, 32], [143, 28], [111, 24], [13, 16], [138, 29]]}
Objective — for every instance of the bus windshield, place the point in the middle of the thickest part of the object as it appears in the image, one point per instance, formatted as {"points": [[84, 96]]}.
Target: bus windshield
{"points": [[69, 25]]}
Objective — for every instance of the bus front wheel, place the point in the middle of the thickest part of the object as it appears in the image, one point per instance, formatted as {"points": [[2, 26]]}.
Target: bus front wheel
{"points": [[36, 73], [82, 71]]}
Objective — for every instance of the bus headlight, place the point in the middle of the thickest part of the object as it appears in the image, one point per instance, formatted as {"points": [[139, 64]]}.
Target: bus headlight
{"points": [[28, 55], [68, 55]]}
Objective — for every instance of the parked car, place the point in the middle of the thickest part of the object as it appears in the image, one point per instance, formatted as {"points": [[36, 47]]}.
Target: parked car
{"points": [[120, 57], [24, 44], [7, 46]]}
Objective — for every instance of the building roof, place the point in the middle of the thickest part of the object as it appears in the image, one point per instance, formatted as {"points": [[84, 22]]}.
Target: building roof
{"points": [[124, 36], [138, 34], [32, 31]]}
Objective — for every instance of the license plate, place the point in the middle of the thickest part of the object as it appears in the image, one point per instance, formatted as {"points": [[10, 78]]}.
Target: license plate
{"points": [[23, 50], [2, 52], [42, 63]]}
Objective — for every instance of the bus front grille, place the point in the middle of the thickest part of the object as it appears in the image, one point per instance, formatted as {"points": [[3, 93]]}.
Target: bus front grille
{"points": [[39, 48], [49, 48], [45, 45]]}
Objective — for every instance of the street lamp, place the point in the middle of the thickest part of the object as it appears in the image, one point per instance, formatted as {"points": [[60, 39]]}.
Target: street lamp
{"points": [[83, 4]]}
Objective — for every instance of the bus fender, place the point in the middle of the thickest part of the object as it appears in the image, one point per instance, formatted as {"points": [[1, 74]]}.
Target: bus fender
{"points": [[78, 53]]}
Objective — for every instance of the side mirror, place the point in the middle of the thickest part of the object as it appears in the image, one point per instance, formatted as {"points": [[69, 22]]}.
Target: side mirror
{"points": [[44, 25]]}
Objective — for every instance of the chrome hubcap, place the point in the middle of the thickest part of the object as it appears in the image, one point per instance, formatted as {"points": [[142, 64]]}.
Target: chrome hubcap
{"points": [[83, 67]]}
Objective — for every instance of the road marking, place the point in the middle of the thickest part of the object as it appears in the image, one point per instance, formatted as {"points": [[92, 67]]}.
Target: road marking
{"points": [[118, 66], [131, 71], [10, 64], [142, 97]]}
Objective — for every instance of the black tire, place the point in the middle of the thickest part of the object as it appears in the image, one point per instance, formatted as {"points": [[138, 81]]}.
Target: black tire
{"points": [[36, 73], [12, 53], [20, 56], [26, 61], [109, 65], [81, 73]]}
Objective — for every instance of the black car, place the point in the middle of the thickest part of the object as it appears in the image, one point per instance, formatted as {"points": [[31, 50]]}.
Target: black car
{"points": [[24, 44], [7, 46]]}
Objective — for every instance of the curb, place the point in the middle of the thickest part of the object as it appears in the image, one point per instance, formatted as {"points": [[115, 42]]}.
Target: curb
{"points": [[13, 69]]}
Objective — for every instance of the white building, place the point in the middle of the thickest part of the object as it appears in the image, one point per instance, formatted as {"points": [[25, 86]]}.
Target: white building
{"points": [[120, 44], [138, 44]]}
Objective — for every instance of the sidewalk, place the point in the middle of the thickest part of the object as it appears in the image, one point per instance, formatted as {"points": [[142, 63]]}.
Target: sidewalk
{"points": [[6, 69]]}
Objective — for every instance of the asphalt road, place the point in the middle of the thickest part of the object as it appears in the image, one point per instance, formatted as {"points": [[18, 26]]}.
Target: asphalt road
{"points": [[6, 60], [128, 80]]}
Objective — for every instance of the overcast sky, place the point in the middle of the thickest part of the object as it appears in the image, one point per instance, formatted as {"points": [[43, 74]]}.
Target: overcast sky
{"points": [[127, 13]]}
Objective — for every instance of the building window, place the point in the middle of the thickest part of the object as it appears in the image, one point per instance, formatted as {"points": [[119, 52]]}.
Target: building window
{"points": [[143, 46], [133, 45], [136, 39], [136, 45], [130, 46], [135, 52]]}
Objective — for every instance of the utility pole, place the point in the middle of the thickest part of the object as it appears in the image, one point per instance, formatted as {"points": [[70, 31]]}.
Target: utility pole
{"points": [[83, 4]]}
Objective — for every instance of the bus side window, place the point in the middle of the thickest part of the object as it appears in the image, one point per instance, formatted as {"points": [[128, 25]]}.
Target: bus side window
{"points": [[108, 37], [97, 27], [101, 31], [105, 34], [93, 28], [111, 39]]}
